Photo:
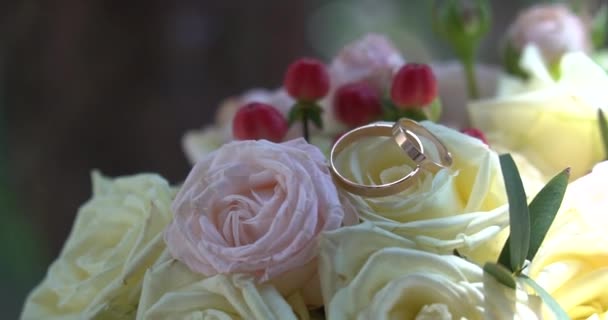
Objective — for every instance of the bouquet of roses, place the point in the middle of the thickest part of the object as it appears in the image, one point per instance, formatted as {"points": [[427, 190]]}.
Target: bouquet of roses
{"points": [[340, 196]]}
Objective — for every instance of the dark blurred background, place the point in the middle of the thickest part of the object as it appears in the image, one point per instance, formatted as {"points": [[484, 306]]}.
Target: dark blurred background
{"points": [[113, 84]]}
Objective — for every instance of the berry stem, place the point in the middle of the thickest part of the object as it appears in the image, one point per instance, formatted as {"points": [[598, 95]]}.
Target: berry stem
{"points": [[305, 125], [469, 70]]}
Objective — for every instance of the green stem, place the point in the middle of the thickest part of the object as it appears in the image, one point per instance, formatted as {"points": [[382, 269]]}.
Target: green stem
{"points": [[469, 70], [305, 125]]}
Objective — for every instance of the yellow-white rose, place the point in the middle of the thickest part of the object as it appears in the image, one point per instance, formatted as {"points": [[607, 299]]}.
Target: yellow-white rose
{"points": [[116, 236], [572, 263], [552, 123], [463, 207], [370, 273], [172, 291]]}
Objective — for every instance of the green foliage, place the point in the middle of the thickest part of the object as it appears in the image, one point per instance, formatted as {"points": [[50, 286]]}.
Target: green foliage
{"points": [[462, 26], [603, 131], [544, 208], [500, 273], [598, 27], [305, 110], [529, 225], [519, 217]]}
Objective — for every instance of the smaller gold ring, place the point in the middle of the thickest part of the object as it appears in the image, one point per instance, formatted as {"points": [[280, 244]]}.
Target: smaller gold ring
{"points": [[404, 129], [380, 190]]}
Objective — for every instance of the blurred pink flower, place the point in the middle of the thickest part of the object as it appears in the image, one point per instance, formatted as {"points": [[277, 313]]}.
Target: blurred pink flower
{"points": [[553, 28], [372, 58]]}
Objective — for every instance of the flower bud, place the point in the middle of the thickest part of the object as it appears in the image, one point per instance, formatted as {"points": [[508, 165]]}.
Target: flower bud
{"points": [[414, 86], [256, 121], [553, 28], [307, 80], [357, 104], [462, 23]]}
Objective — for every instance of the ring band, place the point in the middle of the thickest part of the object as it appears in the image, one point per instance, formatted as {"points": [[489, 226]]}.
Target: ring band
{"points": [[381, 190], [405, 128]]}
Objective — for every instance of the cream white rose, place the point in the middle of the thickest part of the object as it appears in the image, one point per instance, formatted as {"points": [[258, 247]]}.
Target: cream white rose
{"points": [[257, 207], [551, 123], [172, 291], [463, 207], [369, 273], [572, 263], [116, 236]]}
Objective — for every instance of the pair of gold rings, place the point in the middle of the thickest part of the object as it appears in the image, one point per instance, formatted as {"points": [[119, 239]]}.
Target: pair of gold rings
{"points": [[406, 133]]}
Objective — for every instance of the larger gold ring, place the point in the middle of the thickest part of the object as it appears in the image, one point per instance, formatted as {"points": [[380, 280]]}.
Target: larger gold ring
{"points": [[380, 190], [404, 129]]}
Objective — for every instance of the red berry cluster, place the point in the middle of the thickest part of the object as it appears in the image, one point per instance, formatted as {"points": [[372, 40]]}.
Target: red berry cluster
{"points": [[307, 81], [414, 87]]}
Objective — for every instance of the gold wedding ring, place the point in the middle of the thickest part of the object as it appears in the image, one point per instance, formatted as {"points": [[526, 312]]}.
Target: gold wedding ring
{"points": [[380, 190], [406, 133], [404, 129]]}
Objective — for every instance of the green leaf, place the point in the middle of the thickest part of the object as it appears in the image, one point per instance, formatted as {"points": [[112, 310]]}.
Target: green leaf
{"points": [[415, 114], [603, 131], [555, 69], [433, 111], [389, 111], [557, 310], [544, 208], [519, 239], [313, 112], [598, 27], [295, 114], [510, 61], [505, 254], [500, 273]]}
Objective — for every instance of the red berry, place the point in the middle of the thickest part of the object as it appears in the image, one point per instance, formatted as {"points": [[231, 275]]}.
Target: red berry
{"points": [[259, 121], [307, 79], [414, 86], [357, 104], [475, 133]]}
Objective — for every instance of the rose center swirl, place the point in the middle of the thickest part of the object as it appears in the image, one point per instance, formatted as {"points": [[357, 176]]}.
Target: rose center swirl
{"points": [[245, 215]]}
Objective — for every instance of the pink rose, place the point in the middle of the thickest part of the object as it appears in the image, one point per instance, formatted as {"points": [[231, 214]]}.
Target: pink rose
{"points": [[255, 207]]}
